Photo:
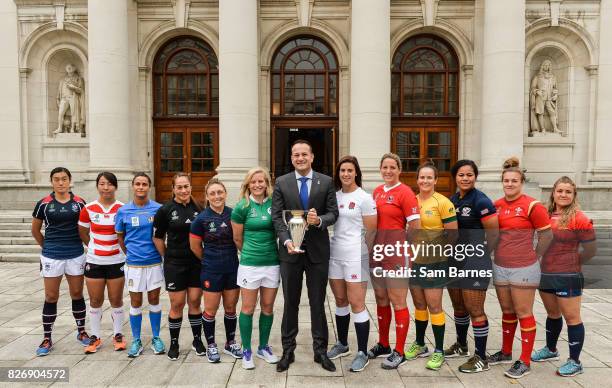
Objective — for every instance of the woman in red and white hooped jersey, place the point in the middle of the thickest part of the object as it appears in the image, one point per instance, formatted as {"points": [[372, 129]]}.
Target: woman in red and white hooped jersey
{"points": [[105, 260]]}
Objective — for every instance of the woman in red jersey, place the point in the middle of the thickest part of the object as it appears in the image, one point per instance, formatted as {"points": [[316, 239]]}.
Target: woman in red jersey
{"points": [[516, 270], [562, 280], [397, 208]]}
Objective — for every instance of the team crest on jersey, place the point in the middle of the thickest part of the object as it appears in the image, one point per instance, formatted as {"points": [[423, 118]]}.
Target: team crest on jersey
{"points": [[351, 205], [518, 211], [135, 221], [150, 219], [75, 208], [96, 217], [270, 211], [429, 212], [51, 208], [174, 215], [212, 228], [465, 211], [390, 199]]}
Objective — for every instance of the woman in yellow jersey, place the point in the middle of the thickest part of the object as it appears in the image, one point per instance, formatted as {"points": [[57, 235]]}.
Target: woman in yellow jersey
{"points": [[430, 266]]}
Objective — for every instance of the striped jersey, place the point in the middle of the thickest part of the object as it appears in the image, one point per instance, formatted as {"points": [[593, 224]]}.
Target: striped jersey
{"points": [[103, 245]]}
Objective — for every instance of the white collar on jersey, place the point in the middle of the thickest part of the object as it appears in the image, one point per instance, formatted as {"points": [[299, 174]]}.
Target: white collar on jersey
{"points": [[387, 188]]}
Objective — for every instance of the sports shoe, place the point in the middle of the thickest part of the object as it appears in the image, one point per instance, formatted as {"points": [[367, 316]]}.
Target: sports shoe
{"points": [[44, 348], [456, 350], [474, 364], [212, 353], [338, 350], [233, 349], [247, 359], [158, 345], [173, 352], [265, 353], [360, 361], [119, 342], [135, 348], [83, 338], [379, 351], [544, 354], [94, 344], [416, 351], [570, 368], [499, 358], [394, 361], [517, 370], [435, 361], [198, 347]]}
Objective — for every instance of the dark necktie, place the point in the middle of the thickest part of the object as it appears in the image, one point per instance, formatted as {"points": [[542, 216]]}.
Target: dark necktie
{"points": [[304, 192]]}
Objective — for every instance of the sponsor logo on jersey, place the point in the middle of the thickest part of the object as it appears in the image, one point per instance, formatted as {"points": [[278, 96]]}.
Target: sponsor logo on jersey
{"points": [[465, 211], [351, 205], [150, 219], [75, 208], [135, 221], [428, 212], [96, 217], [174, 215], [131, 283], [223, 225], [171, 286], [188, 221], [341, 206], [270, 211], [206, 284], [354, 276]]}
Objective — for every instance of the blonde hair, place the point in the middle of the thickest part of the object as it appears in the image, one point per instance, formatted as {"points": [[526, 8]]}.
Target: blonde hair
{"points": [[513, 165], [245, 192], [568, 212], [212, 181], [391, 155]]}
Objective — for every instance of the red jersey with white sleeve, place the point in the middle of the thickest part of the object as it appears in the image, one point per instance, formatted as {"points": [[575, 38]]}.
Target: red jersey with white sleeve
{"points": [[562, 256], [518, 221], [103, 248]]}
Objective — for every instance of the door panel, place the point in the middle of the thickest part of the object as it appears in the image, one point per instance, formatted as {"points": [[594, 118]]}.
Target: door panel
{"points": [[415, 145], [323, 141]]}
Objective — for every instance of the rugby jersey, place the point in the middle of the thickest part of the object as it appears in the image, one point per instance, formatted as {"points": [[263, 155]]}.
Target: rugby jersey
{"points": [[103, 245], [60, 220], [136, 222], [215, 231], [518, 221], [563, 255], [395, 206]]}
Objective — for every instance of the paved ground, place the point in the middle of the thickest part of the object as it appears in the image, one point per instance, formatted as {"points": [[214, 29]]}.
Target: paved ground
{"points": [[21, 296]]}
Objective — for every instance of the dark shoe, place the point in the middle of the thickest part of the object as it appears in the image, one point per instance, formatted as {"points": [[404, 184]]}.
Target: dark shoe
{"points": [[286, 360], [325, 362]]}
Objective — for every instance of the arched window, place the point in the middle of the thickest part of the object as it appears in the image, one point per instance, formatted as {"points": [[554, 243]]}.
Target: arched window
{"points": [[304, 79], [186, 80], [424, 78]]}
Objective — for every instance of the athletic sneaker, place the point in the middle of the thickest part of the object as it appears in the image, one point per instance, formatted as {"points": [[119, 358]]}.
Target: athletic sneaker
{"points": [[173, 352], [94, 344], [499, 358], [135, 348], [456, 350], [233, 349], [158, 345], [517, 370], [247, 359], [379, 351], [416, 351], [119, 342], [394, 361], [338, 350], [544, 354], [360, 361], [265, 353], [44, 348], [570, 368], [435, 361], [198, 347], [83, 338], [212, 353], [474, 364]]}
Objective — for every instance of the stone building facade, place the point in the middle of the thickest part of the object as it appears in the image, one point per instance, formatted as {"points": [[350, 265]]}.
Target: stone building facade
{"points": [[218, 86]]}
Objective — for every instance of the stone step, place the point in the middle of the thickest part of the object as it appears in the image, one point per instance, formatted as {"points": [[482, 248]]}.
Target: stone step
{"points": [[19, 249], [15, 226], [20, 257], [15, 219], [15, 233], [17, 241]]}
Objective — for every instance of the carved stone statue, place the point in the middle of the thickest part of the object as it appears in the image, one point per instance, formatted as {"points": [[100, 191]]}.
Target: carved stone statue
{"points": [[71, 103], [543, 96]]}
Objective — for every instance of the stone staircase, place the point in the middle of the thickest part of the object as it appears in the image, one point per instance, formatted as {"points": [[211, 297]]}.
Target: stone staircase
{"points": [[17, 244]]}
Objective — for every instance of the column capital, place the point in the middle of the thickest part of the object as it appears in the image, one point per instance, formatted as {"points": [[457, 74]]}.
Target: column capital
{"points": [[593, 70], [468, 69], [24, 72]]}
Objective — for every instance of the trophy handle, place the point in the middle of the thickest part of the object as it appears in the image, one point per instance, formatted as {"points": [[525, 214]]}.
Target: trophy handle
{"points": [[285, 218]]}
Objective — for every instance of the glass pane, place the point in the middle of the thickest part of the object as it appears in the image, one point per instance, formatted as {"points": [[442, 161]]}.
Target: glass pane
{"points": [[320, 81], [196, 152], [414, 151], [165, 138], [415, 138], [442, 164], [186, 60], [172, 165], [452, 107], [401, 138], [276, 81], [196, 138], [208, 151], [207, 138], [445, 138], [424, 59], [177, 138], [432, 138], [196, 164]]}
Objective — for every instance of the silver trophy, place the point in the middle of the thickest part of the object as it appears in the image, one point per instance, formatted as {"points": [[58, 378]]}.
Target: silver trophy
{"points": [[297, 227]]}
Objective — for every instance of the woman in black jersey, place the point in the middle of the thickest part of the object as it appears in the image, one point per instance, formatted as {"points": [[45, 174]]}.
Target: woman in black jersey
{"points": [[181, 267], [62, 254]]}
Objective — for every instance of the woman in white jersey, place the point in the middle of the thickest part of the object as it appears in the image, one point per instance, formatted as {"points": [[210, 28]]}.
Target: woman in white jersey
{"points": [[105, 261], [348, 264]]}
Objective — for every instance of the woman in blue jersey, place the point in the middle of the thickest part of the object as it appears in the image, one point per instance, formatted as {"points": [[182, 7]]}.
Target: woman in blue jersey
{"points": [[62, 254], [211, 239], [143, 269]]}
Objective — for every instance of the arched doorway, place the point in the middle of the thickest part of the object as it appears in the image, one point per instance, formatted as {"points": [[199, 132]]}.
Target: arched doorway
{"points": [[185, 114], [425, 107], [304, 102]]}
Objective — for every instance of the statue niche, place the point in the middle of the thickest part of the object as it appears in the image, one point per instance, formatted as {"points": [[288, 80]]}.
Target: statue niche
{"points": [[543, 101], [71, 103]]}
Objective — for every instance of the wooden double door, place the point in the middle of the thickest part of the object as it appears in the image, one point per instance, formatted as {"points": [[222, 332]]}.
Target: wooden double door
{"points": [[416, 144], [191, 148]]}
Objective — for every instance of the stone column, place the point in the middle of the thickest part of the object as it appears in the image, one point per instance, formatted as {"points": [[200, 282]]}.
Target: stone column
{"points": [[370, 109], [109, 87], [603, 133], [502, 86], [238, 92], [11, 151]]}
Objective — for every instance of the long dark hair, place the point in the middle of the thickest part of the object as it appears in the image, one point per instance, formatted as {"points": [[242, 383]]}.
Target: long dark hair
{"points": [[463, 163], [347, 159]]}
